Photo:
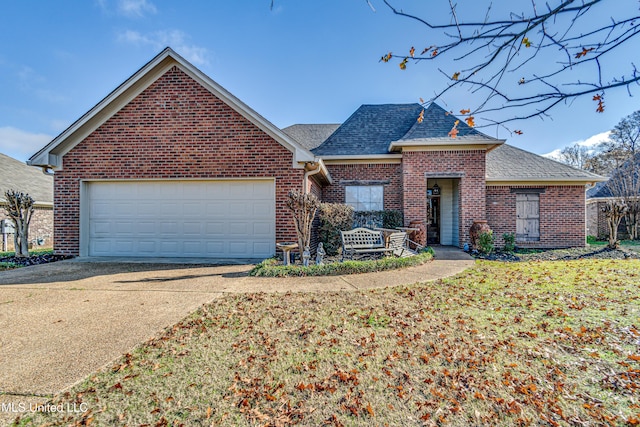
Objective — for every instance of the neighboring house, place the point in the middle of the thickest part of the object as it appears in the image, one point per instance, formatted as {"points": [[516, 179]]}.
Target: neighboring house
{"points": [[15, 175], [171, 164], [597, 198]]}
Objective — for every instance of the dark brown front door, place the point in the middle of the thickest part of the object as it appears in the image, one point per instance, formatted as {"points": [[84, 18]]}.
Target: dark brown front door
{"points": [[433, 220]]}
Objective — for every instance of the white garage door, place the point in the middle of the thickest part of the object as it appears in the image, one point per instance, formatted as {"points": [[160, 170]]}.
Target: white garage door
{"points": [[214, 219]]}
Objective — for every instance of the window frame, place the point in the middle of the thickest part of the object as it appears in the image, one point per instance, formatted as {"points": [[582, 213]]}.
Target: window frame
{"points": [[361, 200]]}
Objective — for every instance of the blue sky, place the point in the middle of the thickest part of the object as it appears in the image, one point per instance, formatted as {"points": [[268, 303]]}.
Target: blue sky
{"points": [[302, 62]]}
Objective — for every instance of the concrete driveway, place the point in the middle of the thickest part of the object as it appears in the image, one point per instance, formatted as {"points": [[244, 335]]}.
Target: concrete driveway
{"points": [[62, 321]]}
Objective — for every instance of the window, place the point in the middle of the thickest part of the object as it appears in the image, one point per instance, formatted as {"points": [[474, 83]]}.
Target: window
{"points": [[527, 217], [365, 197]]}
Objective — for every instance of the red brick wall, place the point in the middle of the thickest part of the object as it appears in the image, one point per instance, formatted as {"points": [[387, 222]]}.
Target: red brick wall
{"points": [[469, 165], [562, 215], [392, 192], [174, 129]]}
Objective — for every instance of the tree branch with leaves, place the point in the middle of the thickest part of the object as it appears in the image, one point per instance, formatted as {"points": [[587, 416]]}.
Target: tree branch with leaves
{"points": [[493, 57]]}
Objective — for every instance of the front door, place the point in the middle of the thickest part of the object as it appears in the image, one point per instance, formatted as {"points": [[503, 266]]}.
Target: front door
{"points": [[433, 220]]}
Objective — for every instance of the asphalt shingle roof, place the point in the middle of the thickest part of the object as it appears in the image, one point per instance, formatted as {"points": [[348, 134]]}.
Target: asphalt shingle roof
{"points": [[16, 175], [437, 123], [603, 189], [312, 135], [370, 130], [507, 162]]}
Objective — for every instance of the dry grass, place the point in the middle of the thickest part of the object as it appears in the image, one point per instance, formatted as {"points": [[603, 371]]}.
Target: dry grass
{"points": [[544, 343]]}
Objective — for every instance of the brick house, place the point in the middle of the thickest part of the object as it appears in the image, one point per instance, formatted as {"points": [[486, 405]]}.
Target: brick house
{"points": [[15, 175], [171, 164]]}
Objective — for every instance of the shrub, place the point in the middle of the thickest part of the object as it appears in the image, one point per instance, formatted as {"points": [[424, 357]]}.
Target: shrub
{"points": [[334, 217], [273, 268], [485, 242], [388, 218], [392, 219], [509, 242]]}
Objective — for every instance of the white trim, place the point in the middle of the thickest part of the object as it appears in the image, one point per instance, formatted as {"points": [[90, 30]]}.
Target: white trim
{"points": [[444, 144], [83, 232], [362, 159]]}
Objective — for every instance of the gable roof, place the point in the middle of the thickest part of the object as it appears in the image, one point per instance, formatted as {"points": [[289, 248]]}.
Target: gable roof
{"points": [[374, 131], [508, 163], [15, 175], [381, 129], [311, 135], [436, 125], [370, 129], [51, 155]]}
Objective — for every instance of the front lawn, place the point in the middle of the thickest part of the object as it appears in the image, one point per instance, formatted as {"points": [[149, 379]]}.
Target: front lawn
{"points": [[531, 343]]}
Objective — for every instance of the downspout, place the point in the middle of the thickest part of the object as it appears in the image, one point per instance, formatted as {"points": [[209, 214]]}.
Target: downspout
{"points": [[47, 171], [309, 173]]}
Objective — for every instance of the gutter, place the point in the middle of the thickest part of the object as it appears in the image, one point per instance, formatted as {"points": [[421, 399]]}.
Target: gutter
{"points": [[47, 171], [318, 166]]}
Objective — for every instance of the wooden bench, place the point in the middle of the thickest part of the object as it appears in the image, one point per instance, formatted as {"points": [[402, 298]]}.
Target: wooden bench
{"points": [[363, 241], [399, 244]]}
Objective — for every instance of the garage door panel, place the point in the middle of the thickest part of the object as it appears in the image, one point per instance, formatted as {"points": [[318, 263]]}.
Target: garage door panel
{"points": [[146, 228], [170, 209], [214, 229], [261, 248], [239, 209], [126, 246], [216, 219], [148, 209], [100, 228], [238, 248], [123, 227], [238, 229], [215, 249], [101, 209], [263, 208], [216, 209], [192, 248], [192, 228], [192, 209], [147, 247], [262, 229]]}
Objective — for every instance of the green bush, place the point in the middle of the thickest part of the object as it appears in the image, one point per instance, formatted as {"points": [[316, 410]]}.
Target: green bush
{"points": [[388, 218], [273, 268], [334, 217], [485, 242], [509, 242], [392, 219]]}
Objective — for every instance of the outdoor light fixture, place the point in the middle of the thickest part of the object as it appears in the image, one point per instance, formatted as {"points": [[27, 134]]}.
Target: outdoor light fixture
{"points": [[436, 189]]}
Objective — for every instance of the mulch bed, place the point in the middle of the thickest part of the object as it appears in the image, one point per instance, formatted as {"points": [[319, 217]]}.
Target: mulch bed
{"points": [[561, 255], [34, 259]]}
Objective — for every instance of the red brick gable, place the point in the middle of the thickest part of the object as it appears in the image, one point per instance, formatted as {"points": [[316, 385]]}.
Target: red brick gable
{"points": [[174, 129]]}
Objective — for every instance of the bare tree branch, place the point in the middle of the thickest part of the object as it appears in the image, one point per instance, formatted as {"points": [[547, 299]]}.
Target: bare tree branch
{"points": [[563, 39]]}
